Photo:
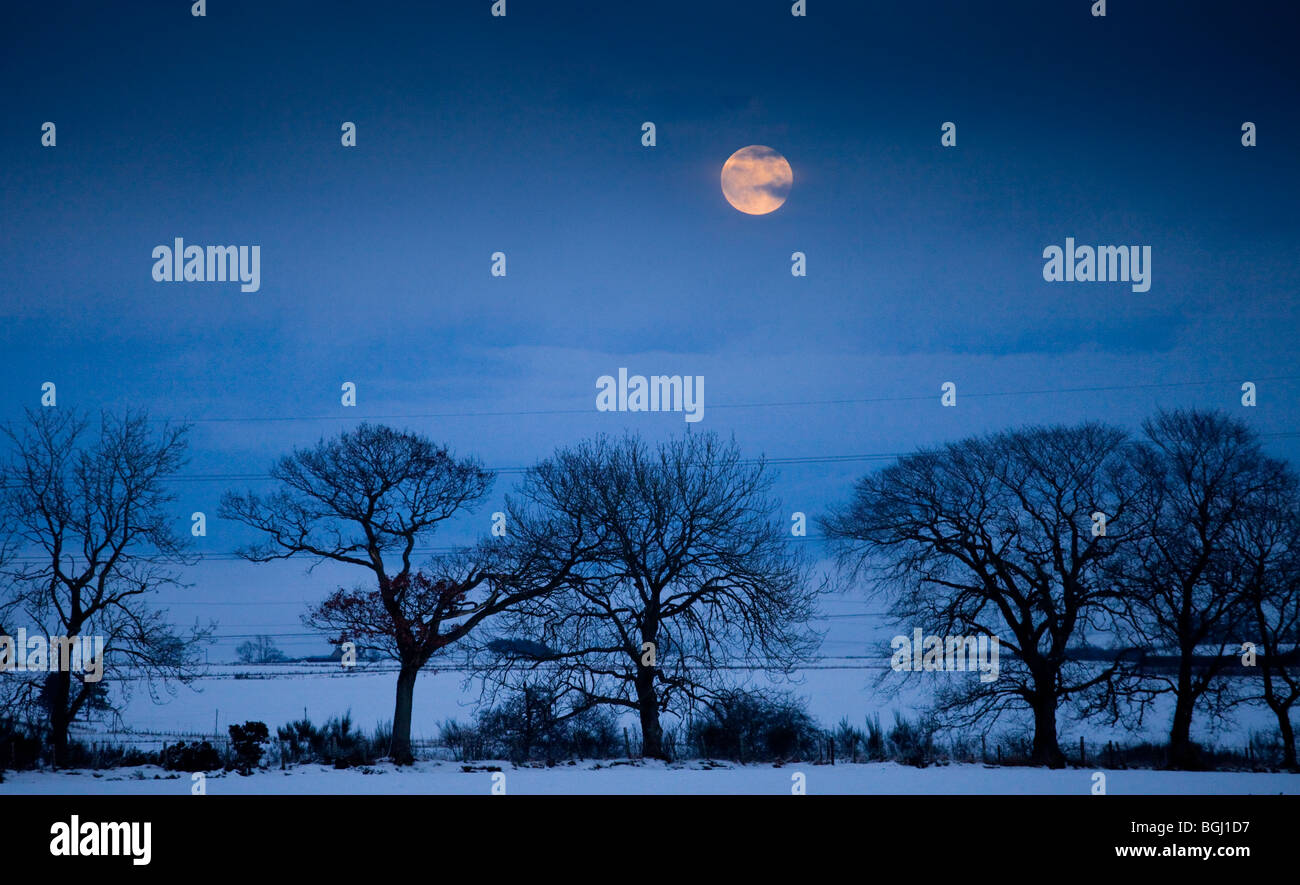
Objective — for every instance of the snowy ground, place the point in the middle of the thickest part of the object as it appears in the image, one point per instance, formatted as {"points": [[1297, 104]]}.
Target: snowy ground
{"points": [[652, 778]]}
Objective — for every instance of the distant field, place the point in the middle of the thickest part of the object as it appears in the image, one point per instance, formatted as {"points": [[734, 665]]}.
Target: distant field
{"points": [[277, 694]]}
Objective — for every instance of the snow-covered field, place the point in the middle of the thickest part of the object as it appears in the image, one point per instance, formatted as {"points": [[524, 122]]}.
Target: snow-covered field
{"points": [[651, 779]]}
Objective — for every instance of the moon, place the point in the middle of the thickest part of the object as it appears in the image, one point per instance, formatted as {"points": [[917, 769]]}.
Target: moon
{"points": [[756, 180]]}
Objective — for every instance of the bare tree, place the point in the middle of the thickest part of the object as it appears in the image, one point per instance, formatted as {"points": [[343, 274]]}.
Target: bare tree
{"points": [[365, 498], [1266, 544], [259, 650], [93, 540], [1184, 583], [687, 579], [996, 536], [1190, 584], [14, 710]]}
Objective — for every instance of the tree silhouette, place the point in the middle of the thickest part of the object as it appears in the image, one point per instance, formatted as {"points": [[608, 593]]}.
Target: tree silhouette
{"points": [[686, 573], [1184, 583], [88, 512], [365, 498], [995, 536]]}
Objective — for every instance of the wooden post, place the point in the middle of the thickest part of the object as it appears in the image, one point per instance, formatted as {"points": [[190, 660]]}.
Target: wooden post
{"points": [[984, 750], [999, 754], [627, 744], [1083, 757], [832, 741]]}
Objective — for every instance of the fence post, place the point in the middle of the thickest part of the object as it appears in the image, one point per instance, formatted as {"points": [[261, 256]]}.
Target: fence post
{"points": [[999, 754], [832, 740], [1083, 757]]}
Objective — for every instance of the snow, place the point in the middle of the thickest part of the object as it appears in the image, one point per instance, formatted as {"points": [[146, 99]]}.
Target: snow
{"points": [[652, 778]]}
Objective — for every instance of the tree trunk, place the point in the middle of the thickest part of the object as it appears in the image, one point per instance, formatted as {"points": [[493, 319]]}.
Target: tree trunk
{"points": [[1182, 752], [1288, 738], [647, 700], [1047, 750], [58, 693], [400, 750]]}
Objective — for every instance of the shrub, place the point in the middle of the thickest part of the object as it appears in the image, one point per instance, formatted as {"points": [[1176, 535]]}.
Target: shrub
{"points": [[114, 756], [526, 727], [464, 741], [757, 727], [875, 746], [20, 748], [913, 742], [337, 743], [594, 734], [190, 757], [849, 741], [246, 743], [530, 726]]}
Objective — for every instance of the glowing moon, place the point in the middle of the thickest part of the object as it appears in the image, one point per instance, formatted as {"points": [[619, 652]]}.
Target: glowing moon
{"points": [[756, 180]]}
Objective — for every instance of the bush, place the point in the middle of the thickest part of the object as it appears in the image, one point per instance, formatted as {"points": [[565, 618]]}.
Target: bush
{"points": [[190, 757], [525, 727], [912, 742], [530, 726], [337, 743], [594, 734], [849, 741], [875, 739], [20, 748], [114, 756], [464, 741], [756, 727], [246, 743]]}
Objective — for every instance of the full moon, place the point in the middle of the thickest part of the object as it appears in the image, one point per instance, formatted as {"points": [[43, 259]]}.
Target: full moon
{"points": [[756, 180]]}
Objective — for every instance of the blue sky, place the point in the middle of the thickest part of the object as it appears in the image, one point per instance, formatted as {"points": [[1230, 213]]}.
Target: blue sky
{"points": [[522, 135]]}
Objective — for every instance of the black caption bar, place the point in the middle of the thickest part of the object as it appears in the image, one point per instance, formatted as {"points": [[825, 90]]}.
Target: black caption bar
{"points": [[137, 835]]}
